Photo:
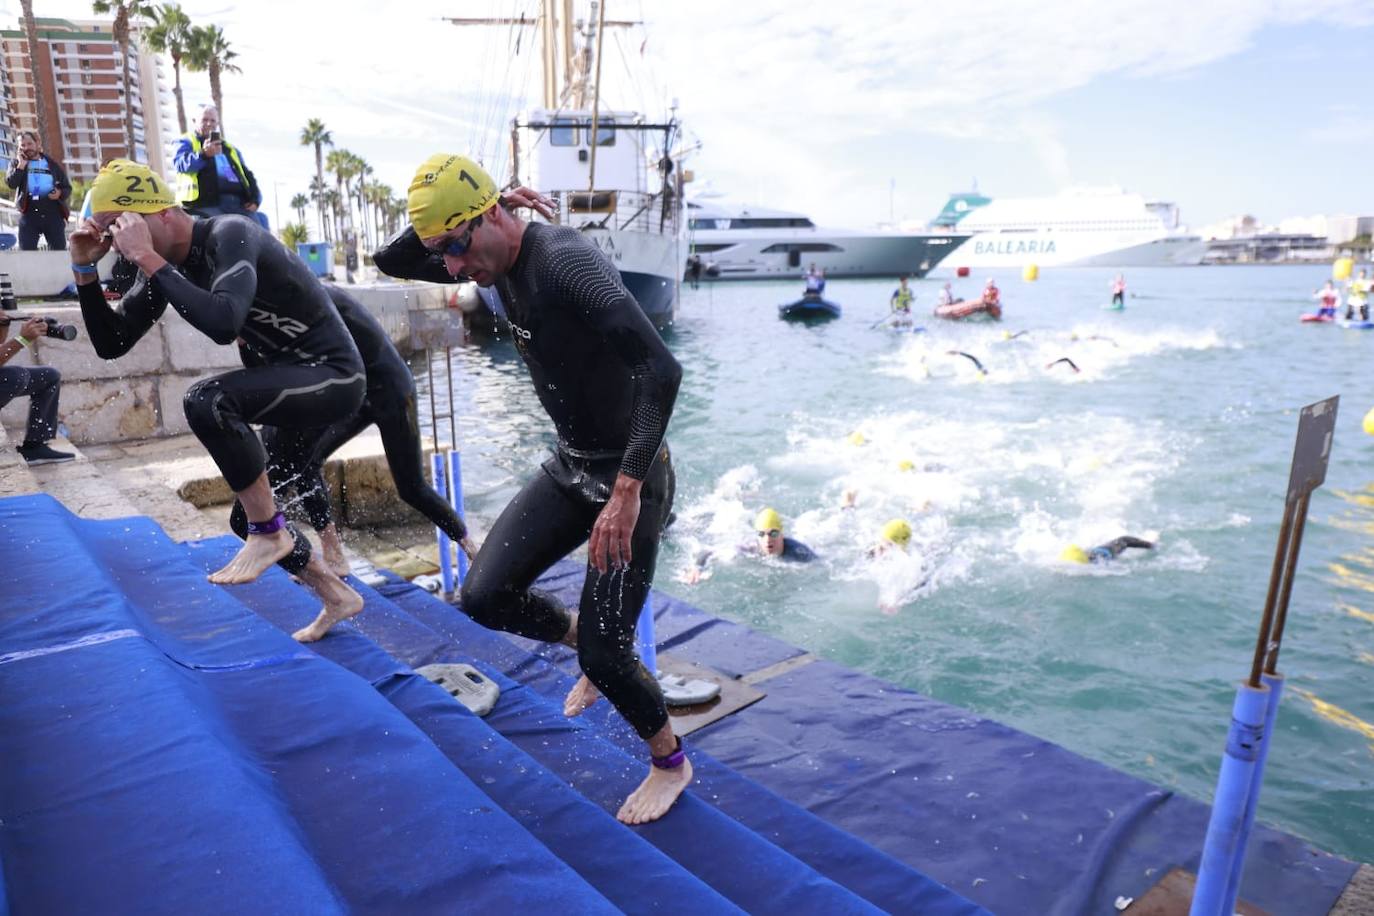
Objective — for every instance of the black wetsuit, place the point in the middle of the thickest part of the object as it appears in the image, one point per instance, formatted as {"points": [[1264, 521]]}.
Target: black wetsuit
{"points": [[1112, 549], [240, 283], [796, 551], [608, 383], [295, 456]]}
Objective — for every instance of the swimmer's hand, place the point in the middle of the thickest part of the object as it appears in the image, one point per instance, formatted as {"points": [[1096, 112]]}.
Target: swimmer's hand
{"points": [[530, 199], [609, 547], [88, 243], [469, 547], [133, 240]]}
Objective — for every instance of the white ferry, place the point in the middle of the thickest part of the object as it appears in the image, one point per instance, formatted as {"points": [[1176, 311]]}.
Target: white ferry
{"points": [[1080, 227], [737, 242]]}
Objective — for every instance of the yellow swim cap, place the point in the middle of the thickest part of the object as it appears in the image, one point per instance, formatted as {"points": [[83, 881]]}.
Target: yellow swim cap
{"points": [[906, 464], [897, 532], [446, 191], [857, 438], [1369, 422], [1075, 554], [126, 185], [767, 520]]}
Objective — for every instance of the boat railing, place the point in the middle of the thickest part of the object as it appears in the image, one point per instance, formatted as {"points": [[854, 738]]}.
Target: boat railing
{"points": [[623, 211]]}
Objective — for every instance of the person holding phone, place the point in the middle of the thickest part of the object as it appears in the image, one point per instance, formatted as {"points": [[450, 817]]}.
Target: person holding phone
{"points": [[211, 176], [43, 191]]}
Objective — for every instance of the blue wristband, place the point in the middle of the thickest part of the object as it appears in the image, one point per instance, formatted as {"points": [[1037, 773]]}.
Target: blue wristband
{"points": [[83, 268]]}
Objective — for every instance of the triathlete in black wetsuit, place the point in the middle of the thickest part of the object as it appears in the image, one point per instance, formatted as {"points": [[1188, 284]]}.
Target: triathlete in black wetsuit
{"points": [[608, 383], [295, 455], [230, 280]]}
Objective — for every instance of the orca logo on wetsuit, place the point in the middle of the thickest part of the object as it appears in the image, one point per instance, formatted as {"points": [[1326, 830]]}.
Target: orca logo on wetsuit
{"points": [[288, 326], [519, 331]]}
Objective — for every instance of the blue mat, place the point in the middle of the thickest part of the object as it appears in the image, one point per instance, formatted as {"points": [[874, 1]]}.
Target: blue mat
{"points": [[1010, 821], [720, 851], [162, 750]]}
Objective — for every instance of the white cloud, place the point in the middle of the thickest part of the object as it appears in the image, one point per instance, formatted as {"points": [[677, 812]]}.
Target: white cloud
{"points": [[790, 99]]}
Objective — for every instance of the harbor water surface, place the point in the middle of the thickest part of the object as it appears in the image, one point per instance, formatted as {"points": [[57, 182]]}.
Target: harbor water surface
{"points": [[1179, 427]]}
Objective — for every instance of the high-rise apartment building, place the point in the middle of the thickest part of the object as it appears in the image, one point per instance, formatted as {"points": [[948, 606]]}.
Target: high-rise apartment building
{"points": [[76, 67]]}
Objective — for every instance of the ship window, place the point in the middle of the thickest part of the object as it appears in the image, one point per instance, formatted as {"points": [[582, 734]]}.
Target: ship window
{"points": [[790, 247], [605, 132], [563, 133], [711, 247]]}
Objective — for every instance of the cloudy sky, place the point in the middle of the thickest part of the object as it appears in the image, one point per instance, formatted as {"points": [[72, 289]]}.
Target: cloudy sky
{"points": [[851, 112]]}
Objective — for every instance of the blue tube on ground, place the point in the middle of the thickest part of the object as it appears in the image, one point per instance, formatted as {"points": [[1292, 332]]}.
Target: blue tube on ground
{"points": [[455, 499], [441, 487], [1223, 845], [644, 636], [1275, 684]]}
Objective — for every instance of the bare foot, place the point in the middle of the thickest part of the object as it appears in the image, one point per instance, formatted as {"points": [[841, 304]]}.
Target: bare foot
{"points": [[340, 601], [257, 553], [655, 794], [581, 698], [332, 546]]}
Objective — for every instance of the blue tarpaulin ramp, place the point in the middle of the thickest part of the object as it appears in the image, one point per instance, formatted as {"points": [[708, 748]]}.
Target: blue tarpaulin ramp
{"points": [[166, 747]]}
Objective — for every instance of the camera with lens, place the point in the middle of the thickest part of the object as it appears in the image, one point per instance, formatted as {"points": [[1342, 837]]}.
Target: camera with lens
{"points": [[59, 331]]}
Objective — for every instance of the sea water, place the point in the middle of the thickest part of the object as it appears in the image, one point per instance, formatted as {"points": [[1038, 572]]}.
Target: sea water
{"points": [[1179, 427]]}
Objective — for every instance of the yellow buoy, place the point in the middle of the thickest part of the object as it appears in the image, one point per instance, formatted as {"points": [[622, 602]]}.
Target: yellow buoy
{"points": [[1341, 268], [1030, 273], [1369, 422]]}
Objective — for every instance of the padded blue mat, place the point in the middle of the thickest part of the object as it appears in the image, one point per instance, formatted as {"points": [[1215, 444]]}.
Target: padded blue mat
{"points": [[1010, 821], [720, 851], [163, 750]]}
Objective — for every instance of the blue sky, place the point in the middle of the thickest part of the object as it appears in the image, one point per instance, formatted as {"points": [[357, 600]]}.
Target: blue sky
{"points": [[1225, 107]]}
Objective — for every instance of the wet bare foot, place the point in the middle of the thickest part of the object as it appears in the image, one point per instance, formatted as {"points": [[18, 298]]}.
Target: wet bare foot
{"points": [[655, 794], [332, 546], [581, 698], [257, 553], [340, 601]]}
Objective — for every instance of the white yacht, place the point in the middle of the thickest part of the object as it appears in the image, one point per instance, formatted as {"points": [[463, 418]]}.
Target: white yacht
{"points": [[1080, 227], [753, 243]]}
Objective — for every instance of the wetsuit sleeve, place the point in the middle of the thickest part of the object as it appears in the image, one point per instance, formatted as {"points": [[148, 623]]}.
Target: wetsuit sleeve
{"points": [[219, 312], [114, 331], [405, 257], [586, 282]]}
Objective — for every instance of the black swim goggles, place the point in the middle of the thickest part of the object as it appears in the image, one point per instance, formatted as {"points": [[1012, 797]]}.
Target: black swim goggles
{"points": [[458, 247]]}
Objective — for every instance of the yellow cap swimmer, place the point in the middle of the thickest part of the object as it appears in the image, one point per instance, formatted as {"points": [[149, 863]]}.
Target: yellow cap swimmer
{"points": [[1075, 554], [447, 191], [897, 532], [126, 185], [767, 520], [857, 438], [906, 464]]}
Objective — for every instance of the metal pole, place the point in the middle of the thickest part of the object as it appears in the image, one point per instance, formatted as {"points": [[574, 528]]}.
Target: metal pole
{"points": [[440, 468], [1271, 600], [644, 636], [1281, 620], [596, 99]]}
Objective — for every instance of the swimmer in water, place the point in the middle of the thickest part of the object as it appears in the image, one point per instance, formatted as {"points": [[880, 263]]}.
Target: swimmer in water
{"points": [[770, 542], [1104, 553], [969, 356], [1064, 359]]}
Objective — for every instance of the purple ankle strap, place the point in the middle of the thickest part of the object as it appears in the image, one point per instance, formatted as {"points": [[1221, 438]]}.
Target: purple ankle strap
{"points": [[272, 526], [670, 761]]}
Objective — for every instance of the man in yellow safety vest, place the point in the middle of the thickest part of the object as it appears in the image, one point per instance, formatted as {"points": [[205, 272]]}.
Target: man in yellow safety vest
{"points": [[211, 176]]}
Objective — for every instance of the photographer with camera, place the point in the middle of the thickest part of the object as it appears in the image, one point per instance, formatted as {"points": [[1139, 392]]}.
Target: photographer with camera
{"points": [[43, 192], [211, 176], [40, 384]]}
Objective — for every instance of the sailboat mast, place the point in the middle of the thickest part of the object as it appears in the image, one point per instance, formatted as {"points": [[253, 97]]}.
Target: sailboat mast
{"points": [[600, 10]]}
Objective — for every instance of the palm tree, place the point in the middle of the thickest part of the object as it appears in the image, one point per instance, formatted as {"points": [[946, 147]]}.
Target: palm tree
{"points": [[341, 163], [331, 201], [315, 134], [123, 10], [318, 189], [377, 195], [170, 35], [299, 203], [361, 170], [294, 233], [31, 33], [210, 52]]}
